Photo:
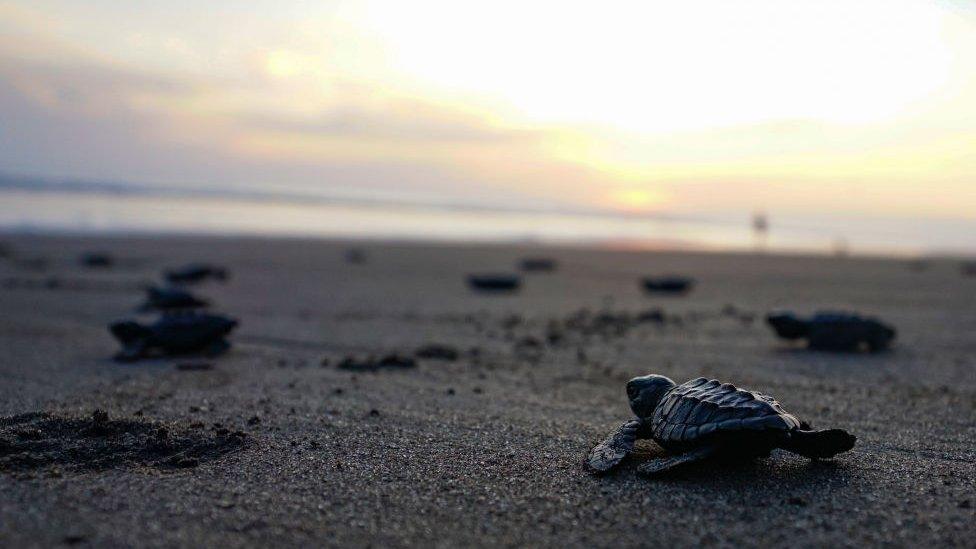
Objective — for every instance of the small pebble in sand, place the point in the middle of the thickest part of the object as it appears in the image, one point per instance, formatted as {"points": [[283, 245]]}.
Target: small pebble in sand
{"points": [[528, 341]]}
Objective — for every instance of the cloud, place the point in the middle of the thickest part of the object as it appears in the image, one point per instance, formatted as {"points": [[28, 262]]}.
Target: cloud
{"points": [[273, 103], [85, 117]]}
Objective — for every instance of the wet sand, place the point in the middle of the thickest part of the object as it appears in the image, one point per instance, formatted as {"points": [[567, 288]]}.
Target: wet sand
{"points": [[270, 446]]}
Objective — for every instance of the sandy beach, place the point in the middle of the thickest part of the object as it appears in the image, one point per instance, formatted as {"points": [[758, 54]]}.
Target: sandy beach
{"points": [[277, 445]]}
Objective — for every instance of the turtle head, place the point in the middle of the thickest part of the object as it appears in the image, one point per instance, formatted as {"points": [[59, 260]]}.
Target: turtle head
{"points": [[787, 325], [128, 331], [645, 392]]}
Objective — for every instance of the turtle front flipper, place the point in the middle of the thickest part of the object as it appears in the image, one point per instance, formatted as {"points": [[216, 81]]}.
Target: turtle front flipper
{"points": [[217, 348], [609, 453], [659, 465], [131, 351]]}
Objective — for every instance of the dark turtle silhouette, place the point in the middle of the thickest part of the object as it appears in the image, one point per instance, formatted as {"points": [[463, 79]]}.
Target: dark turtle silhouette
{"points": [[96, 260], [494, 282], [703, 419], [196, 272], [829, 331], [169, 299], [356, 256], [667, 284], [173, 334]]}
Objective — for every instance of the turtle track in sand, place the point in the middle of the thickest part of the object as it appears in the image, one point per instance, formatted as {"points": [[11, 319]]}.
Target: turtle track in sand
{"points": [[56, 443]]}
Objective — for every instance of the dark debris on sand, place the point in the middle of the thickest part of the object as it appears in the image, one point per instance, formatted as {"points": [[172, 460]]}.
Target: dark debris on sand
{"points": [[605, 324], [44, 441], [436, 351], [194, 366], [373, 364]]}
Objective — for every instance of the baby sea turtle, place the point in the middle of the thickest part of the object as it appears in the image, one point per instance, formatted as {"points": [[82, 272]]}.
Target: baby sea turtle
{"points": [[169, 299], [667, 284], [494, 282], [829, 331], [356, 256], [96, 260], [196, 272], [705, 418], [173, 334]]}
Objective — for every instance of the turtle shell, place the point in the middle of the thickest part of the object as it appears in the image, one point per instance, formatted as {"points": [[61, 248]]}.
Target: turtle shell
{"points": [[701, 407]]}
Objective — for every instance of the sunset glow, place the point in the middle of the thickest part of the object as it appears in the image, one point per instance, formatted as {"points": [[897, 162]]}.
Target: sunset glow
{"points": [[863, 110]]}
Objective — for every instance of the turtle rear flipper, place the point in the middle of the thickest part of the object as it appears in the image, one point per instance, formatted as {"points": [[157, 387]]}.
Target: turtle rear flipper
{"points": [[659, 465], [217, 348], [609, 453], [131, 351], [818, 444]]}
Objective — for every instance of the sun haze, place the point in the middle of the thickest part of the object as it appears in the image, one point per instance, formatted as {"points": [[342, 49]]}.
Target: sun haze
{"points": [[808, 110]]}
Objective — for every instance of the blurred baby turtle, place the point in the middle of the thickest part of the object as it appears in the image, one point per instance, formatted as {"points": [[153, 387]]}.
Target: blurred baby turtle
{"points": [[667, 284], [173, 334], [356, 256], [494, 282], [96, 260], [196, 272], [705, 419], [169, 299], [829, 331]]}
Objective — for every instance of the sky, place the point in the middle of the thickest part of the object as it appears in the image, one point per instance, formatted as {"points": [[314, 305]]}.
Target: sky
{"points": [[819, 110]]}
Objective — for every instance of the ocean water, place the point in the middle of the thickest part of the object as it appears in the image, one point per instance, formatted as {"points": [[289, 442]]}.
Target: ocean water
{"points": [[104, 211]]}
